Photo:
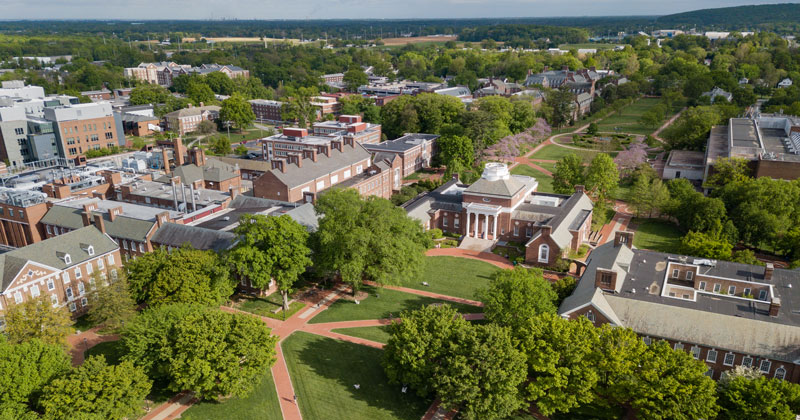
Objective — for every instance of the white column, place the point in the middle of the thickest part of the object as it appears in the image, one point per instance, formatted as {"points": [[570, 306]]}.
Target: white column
{"points": [[486, 227], [494, 229], [468, 216], [477, 220]]}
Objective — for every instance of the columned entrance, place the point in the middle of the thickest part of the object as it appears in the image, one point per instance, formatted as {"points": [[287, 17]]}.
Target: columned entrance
{"points": [[482, 220]]}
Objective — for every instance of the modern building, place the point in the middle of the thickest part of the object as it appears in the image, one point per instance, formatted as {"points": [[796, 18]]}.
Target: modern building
{"points": [[188, 120], [20, 213], [325, 105], [61, 268], [687, 164], [723, 313], [83, 127], [349, 126], [505, 207]]}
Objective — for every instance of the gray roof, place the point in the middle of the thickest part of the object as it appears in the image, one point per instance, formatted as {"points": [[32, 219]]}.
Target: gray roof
{"points": [[190, 173], [573, 213], [50, 252], [296, 176], [195, 110], [122, 227], [176, 235], [401, 144], [503, 187], [447, 197], [242, 204]]}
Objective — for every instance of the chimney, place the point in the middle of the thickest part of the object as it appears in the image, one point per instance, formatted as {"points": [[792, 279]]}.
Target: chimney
{"points": [[605, 279], [165, 158], [202, 104], [89, 207], [87, 218], [325, 150], [336, 145], [280, 164], [774, 306], [295, 159], [580, 189], [623, 238], [348, 141], [114, 212], [233, 191], [768, 269], [190, 105], [198, 184], [593, 68], [97, 194], [99, 223], [197, 156], [530, 72], [162, 218], [178, 151], [546, 230], [546, 68]]}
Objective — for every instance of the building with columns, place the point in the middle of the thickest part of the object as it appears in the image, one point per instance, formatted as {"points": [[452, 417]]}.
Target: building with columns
{"points": [[505, 207]]}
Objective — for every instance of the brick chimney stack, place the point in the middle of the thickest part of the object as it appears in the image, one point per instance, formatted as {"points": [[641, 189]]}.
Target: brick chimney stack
{"points": [[768, 269], [774, 306], [114, 212], [99, 223], [623, 238], [580, 189], [165, 158]]}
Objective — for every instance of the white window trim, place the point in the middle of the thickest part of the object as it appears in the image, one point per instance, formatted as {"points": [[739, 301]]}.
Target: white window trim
{"points": [[708, 356], [546, 248], [725, 358]]}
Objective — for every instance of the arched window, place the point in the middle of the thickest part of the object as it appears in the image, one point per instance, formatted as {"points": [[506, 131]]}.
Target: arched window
{"points": [[780, 373], [590, 316], [544, 253]]}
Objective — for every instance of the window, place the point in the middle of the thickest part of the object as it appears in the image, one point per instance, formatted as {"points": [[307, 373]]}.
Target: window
{"points": [[35, 291], [762, 295], [675, 273], [590, 316], [444, 221], [18, 296], [54, 299], [359, 169], [334, 179], [51, 284], [747, 361], [89, 269], [456, 223], [65, 277], [320, 185], [516, 230], [141, 247], [72, 307], [109, 136], [544, 253], [689, 275], [78, 273], [731, 290], [110, 260], [10, 212], [90, 250], [81, 288], [67, 259], [717, 287], [780, 373], [19, 131], [69, 293], [84, 301], [114, 274], [528, 232], [678, 346], [711, 356], [729, 359], [346, 174], [646, 340], [100, 264], [764, 366], [49, 232], [696, 352], [746, 291], [710, 373]]}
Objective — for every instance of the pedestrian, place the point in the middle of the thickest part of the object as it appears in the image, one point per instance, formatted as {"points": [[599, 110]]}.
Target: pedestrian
{"points": [[295, 398]]}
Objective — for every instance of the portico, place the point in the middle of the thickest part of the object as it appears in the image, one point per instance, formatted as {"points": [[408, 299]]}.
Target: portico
{"points": [[487, 211]]}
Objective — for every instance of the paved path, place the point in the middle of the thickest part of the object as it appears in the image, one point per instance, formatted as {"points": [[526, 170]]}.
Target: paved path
{"points": [[173, 408], [488, 257], [79, 343], [619, 222], [657, 133]]}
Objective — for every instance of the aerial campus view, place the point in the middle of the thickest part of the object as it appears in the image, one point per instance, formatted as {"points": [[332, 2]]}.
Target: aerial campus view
{"points": [[399, 210]]}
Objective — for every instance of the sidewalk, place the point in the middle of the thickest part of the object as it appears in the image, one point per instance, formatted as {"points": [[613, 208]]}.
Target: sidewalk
{"points": [[488, 257], [79, 343]]}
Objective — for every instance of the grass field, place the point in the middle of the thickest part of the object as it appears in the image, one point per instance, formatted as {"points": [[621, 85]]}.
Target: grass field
{"points": [[324, 372], [261, 404], [375, 307], [265, 305], [627, 119], [553, 152], [452, 276], [112, 350], [657, 235], [545, 181], [379, 334]]}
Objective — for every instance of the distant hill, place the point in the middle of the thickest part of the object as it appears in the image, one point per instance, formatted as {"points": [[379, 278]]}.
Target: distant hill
{"points": [[740, 17]]}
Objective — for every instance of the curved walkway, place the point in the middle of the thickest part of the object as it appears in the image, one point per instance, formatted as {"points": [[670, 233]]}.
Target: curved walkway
{"points": [[79, 343], [488, 257]]}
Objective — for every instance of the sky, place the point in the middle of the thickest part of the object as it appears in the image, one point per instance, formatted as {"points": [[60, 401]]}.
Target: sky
{"points": [[353, 9]]}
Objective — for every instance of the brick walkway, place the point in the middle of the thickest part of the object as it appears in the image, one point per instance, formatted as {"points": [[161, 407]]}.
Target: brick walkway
{"points": [[488, 257], [79, 343]]}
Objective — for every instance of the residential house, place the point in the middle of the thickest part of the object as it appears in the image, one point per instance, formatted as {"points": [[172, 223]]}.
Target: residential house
{"points": [[718, 93]]}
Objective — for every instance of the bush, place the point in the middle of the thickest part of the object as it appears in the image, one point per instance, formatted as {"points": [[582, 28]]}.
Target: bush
{"points": [[436, 233]]}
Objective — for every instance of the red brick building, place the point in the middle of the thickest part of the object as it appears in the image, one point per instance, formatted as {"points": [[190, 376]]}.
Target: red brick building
{"points": [[415, 151], [267, 111], [724, 313]]}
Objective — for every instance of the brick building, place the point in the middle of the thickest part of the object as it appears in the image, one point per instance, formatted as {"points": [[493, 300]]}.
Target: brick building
{"points": [[188, 120], [98, 95], [20, 213], [61, 268], [415, 151], [506, 207], [325, 105], [164, 72], [267, 111], [349, 127], [83, 127], [724, 313]]}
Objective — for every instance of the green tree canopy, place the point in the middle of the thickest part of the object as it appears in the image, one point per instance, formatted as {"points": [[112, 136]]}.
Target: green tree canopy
{"points": [[237, 110], [602, 176], [568, 173], [37, 319], [753, 396], [200, 92], [27, 367], [271, 248], [111, 304], [514, 297], [354, 78], [148, 94]]}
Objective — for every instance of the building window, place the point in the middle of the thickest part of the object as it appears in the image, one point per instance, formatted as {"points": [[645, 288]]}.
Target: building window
{"points": [[320, 185], [764, 366], [544, 253], [528, 232], [69, 293], [678, 346], [590, 316], [717, 287], [746, 292], [114, 274], [65, 277], [334, 179], [711, 356], [729, 359], [51, 284], [675, 273], [456, 223], [54, 299], [696, 352], [100, 264], [90, 250], [731, 290], [516, 230], [646, 340], [81, 288], [18, 296], [346, 174], [780, 373], [110, 260], [49, 232], [84, 301], [72, 307], [762, 295], [141, 247], [689, 275], [67, 259], [35, 291], [444, 221], [78, 273], [710, 373], [89, 269], [747, 361]]}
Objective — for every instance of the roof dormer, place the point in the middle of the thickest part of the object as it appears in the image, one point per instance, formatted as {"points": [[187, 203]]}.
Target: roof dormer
{"points": [[88, 248], [64, 257]]}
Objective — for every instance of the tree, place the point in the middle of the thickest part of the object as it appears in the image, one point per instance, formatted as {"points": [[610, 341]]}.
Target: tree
{"points": [[201, 349], [705, 245], [148, 94], [200, 92], [354, 78], [271, 248], [691, 129], [592, 129], [220, 145], [97, 389], [482, 374], [561, 360], [37, 319], [561, 104], [727, 170], [206, 127], [27, 367], [183, 275], [602, 176], [111, 304], [754, 396], [639, 196], [298, 107], [455, 152], [367, 239], [237, 110], [567, 174], [522, 116], [516, 296], [219, 82]]}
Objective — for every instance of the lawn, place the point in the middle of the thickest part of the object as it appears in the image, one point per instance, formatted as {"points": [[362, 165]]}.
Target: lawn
{"points": [[112, 350], [324, 372], [627, 118], [657, 235], [453, 276], [261, 404], [553, 152], [265, 305], [386, 302], [545, 181], [379, 333]]}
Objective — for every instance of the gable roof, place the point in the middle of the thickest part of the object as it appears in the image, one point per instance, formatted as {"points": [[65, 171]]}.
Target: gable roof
{"points": [[195, 110], [176, 235], [122, 227], [501, 187], [296, 176]]}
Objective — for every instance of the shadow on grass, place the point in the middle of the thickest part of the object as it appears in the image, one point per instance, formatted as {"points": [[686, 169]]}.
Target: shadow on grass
{"points": [[325, 372]]}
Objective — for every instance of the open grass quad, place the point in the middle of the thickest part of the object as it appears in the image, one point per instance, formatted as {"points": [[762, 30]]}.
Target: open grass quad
{"points": [[626, 120], [657, 235], [545, 181]]}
